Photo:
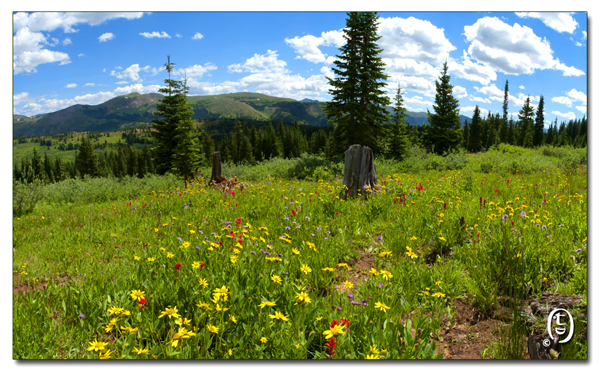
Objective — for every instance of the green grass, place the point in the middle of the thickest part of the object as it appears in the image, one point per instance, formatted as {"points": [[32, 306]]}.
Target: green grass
{"points": [[87, 245]]}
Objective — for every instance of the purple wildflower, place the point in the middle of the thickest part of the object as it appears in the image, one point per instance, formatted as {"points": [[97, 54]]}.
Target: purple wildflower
{"points": [[350, 296], [339, 308], [252, 252], [380, 285], [505, 216], [82, 316], [578, 250]]}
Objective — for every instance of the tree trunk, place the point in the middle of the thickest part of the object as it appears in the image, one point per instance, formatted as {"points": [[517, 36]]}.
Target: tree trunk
{"points": [[359, 172], [216, 168]]}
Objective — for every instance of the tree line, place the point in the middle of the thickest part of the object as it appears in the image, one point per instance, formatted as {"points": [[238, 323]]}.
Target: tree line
{"points": [[357, 113]]}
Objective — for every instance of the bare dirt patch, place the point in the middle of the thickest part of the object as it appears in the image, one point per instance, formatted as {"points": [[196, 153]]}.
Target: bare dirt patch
{"points": [[21, 287]]}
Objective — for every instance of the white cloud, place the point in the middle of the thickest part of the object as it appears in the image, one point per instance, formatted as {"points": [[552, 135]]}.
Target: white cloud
{"points": [[459, 92], [265, 63], [479, 99], [578, 96], [106, 36], [568, 115], [90, 84], [413, 38], [582, 109], [154, 34], [49, 21], [20, 98], [577, 43], [521, 87], [70, 86], [29, 52], [568, 71], [81, 55], [67, 41], [563, 100], [122, 82], [495, 94], [130, 73], [195, 71], [178, 35], [584, 35], [29, 41], [561, 22], [417, 100], [307, 47], [513, 50], [471, 71], [197, 36]]}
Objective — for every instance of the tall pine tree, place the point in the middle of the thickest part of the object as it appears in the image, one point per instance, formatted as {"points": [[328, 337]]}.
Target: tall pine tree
{"points": [[538, 132], [398, 139], [444, 132], [357, 108]]}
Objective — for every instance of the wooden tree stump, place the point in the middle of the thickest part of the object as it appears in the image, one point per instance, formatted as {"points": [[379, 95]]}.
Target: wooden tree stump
{"points": [[359, 172], [215, 175]]}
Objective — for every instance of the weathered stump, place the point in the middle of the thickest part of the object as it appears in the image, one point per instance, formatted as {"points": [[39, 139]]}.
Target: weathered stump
{"points": [[215, 175], [360, 175]]}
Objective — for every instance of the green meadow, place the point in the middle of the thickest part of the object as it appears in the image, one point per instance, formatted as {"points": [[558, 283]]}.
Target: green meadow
{"points": [[285, 268]]}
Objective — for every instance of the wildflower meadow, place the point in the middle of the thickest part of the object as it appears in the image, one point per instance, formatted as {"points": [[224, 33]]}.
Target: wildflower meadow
{"points": [[283, 268]]}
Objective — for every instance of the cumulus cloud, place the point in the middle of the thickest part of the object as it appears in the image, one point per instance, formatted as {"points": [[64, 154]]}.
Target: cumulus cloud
{"points": [[30, 44], [195, 71], [561, 22], [582, 109], [413, 38], [459, 92], [479, 99], [106, 36], [70, 86], [20, 98], [154, 34], [472, 71], [521, 87], [178, 35], [584, 35], [513, 50], [563, 100], [493, 93], [67, 41], [265, 63], [90, 84], [307, 47], [567, 115], [81, 55], [49, 21], [577, 95], [45, 105], [197, 36], [130, 73], [29, 51]]}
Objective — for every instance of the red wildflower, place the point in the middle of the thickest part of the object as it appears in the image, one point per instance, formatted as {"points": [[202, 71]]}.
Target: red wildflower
{"points": [[294, 212], [512, 222], [331, 345], [142, 302], [238, 221], [177, 266], [240, 241], [334, 323], [344, 321], [444, 205]]}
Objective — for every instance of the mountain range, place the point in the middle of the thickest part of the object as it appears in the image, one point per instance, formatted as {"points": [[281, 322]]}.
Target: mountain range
{"points": [[134, 109]]}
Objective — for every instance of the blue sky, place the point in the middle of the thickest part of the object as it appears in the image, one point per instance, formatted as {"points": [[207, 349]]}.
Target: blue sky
{"points": [[62, 59]]}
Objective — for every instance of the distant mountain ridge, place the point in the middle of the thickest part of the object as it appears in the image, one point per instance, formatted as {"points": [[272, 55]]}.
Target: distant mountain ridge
{"points": [[135, 109]]}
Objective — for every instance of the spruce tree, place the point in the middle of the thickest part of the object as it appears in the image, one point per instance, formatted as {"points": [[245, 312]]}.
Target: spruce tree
{"points": [[86, 161], [443, 133], [475, 132], [398, 139], [208, 147], [538, 135], [525, 123], [466, 134], [357, 108], [176, 146]]}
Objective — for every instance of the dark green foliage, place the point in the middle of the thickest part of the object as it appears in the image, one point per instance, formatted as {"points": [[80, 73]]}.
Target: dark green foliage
{"points": [[475, 132], [525, 125], [357, 108], [538, 134], [87, 162], [176, 147], [398, 139], [444, 132]]}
